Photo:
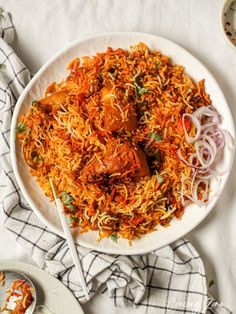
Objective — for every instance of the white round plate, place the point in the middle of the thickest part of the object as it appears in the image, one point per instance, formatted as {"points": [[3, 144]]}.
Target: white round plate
{"points": [[52, 296], [54, 70]]}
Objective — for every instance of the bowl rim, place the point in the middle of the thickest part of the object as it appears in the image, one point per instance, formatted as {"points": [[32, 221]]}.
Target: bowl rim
{"points": [[224, 8]]}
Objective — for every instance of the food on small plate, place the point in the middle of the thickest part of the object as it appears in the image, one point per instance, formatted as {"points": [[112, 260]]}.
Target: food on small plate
{"points": [[22, 292], [129, 140], [2, 279]]}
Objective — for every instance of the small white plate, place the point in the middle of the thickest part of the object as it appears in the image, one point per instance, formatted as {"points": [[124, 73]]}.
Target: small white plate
{"points": [[52, 296], [54, 70]]}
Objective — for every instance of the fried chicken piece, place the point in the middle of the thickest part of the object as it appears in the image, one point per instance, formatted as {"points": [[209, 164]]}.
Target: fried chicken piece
{"points": [[55, 98], [121, 159], [51, 103], [118, 114]]}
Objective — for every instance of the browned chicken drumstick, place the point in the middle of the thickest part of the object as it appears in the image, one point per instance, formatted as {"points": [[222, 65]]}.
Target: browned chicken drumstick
{"points": [[120, 159]]}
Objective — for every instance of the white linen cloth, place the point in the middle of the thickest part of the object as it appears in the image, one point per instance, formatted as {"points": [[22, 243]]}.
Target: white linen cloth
{"points": [[52, 253]]}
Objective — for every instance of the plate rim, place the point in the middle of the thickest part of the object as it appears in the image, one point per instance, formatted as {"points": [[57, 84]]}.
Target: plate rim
{"points": [[13, 146]]}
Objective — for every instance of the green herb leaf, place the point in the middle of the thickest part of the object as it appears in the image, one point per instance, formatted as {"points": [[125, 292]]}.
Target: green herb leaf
{"points": [[155, 136], [143, 91], [39, 159], [159, 179], [21, 128], [72, 219], [36, 157], [114, 237], [211, 283], [158, 65], [34, 105], [2, 66], [139, 90], [70, 206], [67, 200]]}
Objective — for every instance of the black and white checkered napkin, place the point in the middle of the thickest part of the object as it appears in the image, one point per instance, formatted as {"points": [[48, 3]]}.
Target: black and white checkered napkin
{"points": [[169, 280]]}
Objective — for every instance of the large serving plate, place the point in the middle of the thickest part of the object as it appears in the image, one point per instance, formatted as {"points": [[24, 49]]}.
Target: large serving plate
{"points": [[54, 70]]}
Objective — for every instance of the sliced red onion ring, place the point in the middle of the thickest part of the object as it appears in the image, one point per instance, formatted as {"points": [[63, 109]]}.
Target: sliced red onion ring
{"points": [[194, 191], [208, 111], [193, 159], [208, 141], [205, 163], [182, 195], [197, 125], [211, 131], [185, 161], [229, 141]]}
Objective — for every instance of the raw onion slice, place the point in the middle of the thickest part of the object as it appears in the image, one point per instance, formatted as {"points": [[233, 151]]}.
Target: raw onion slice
{"points": [[208, 111], [229, 141], [204, 149], [205, 194], [197, 125], [208, 141], [185, 161]]}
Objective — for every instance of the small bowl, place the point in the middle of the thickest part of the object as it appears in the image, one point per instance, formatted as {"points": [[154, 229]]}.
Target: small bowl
{"points": [[228, 22]]}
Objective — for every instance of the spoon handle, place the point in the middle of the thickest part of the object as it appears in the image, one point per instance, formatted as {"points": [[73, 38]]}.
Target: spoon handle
{"points": [[70, 240]]}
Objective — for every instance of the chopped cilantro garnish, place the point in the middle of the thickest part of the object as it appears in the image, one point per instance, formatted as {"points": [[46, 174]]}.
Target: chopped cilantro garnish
{"points": [[39, 159], [159, 179], [142, 91], [158, 65], [72, 219], [67, 200], [139, 90], [21, 128], [34, 105], [36, 157], [114, 237], [2, 66], [155, 136]]}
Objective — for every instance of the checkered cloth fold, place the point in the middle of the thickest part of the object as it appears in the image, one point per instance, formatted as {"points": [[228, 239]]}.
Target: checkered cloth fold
{"points": [[169, 280]]}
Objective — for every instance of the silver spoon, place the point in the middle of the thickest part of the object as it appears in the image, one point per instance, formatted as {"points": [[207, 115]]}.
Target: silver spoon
{"points": [[10, 276]]}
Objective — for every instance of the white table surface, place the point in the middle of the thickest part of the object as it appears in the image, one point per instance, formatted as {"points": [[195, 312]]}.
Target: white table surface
{"points": [[44, 27]]}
